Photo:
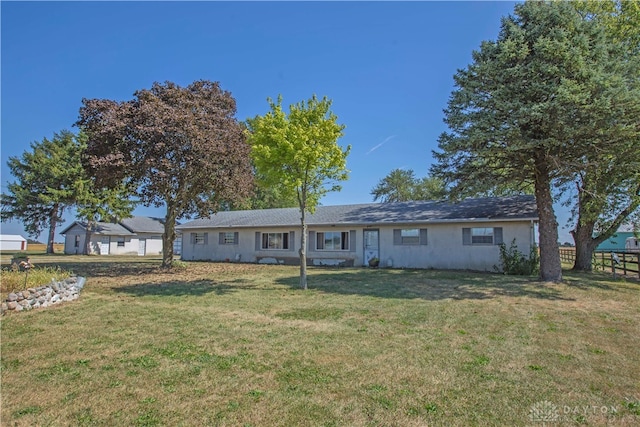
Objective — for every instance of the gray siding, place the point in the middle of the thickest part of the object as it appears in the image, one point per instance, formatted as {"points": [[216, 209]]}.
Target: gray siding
{"points": [[440, 246]]}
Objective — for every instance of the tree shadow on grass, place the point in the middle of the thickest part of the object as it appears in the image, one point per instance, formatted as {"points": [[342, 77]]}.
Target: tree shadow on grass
{"points": [[178, 288], [426, 284], [102, 268], [603, 280], [576, 282]]}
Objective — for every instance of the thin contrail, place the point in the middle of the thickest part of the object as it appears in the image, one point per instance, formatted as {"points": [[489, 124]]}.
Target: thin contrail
{"points": [[387, 139]]}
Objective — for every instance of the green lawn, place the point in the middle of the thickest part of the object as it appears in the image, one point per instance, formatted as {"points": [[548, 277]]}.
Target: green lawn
{"points": [[240, 344]]}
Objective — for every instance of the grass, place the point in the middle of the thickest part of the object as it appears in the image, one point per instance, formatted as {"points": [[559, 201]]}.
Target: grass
{"points": [[240, 344]]}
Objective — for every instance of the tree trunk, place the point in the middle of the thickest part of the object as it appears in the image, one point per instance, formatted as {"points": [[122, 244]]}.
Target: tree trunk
{"points": [[550, 265], [87, 238], [584, 255], [168, 237], [303, 251], [53, 220], [584, 236], [585, 245]]}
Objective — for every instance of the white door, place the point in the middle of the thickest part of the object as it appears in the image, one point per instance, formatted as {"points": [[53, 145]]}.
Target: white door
{"points": [[371, 250], [104, 245], [142, 247]]}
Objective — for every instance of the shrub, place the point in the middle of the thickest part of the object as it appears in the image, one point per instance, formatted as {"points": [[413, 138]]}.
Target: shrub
{"points": [[514, 262], [178, 265], [20, 254]]}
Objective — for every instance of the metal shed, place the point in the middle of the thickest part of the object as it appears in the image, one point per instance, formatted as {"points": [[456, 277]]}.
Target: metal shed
{"points": [[12, 242]]}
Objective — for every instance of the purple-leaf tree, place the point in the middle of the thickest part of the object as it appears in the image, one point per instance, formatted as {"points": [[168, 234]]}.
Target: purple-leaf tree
{"points": [[181, 147]]}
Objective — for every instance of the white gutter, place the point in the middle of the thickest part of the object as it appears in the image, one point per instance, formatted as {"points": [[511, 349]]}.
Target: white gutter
{"points": [[365, 224]]}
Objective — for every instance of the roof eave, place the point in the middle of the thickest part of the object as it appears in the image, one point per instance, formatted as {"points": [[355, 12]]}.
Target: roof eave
{"points": [[361, 223]]}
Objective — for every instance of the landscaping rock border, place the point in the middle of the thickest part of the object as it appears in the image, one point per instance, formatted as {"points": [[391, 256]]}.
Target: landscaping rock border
{"points": [[44, 296]]}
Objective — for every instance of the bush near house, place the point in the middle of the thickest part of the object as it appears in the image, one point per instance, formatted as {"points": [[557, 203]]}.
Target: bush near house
{"points": [[514, 262]]}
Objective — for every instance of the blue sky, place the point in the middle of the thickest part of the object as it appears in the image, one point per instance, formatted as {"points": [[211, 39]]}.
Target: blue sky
{"points": [[387, 66]]}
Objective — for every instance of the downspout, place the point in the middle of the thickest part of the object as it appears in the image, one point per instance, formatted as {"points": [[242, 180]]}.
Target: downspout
{"points": [[532, 237]]}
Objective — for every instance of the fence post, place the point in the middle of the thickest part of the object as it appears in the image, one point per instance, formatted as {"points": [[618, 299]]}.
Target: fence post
{"points": [[624, 263], [613, 266]]}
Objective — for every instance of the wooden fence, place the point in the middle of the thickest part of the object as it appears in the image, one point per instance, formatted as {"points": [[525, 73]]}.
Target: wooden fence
{"points": [[619, 262]]}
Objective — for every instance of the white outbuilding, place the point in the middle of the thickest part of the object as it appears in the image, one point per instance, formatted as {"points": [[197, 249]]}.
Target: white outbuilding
{"points": [[632, 244], [136, 235], [12, 242]]}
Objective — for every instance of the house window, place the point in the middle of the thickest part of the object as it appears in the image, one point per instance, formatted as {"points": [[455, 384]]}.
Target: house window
{"points": [[228, 238], [482, 236], [410, 236], [120, 241], [76, 243], [198, 238], [275, 241], [332, 241]]}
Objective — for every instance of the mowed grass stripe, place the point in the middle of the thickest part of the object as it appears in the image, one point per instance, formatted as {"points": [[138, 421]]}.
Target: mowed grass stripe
{"points": [[240, 344]]}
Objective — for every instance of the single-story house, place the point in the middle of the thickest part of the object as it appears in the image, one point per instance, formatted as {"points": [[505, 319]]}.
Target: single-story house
{"points": [[417, 234], [12, 242], [136, 235]]}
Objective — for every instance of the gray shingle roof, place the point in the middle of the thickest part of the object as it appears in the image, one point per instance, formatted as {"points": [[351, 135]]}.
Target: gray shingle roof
{"points": [[106, 228], [503, 208], [126, 227], [143, 224]]}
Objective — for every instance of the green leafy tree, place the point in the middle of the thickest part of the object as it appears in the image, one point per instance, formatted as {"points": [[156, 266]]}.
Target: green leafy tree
{"points": [[271, 198], [401, 185], [621, 19], [522, 112], [180, 147], [267, 196], [95, 204], [298, 152], [108, 204], [607, 183], [47, 178], [429, 188], [397, 186], [607, 196]]}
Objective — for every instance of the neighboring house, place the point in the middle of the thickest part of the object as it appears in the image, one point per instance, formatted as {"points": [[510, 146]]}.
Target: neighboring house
{"points": [[137, 235], [426, 234], [617, 242], [12, 242]]}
